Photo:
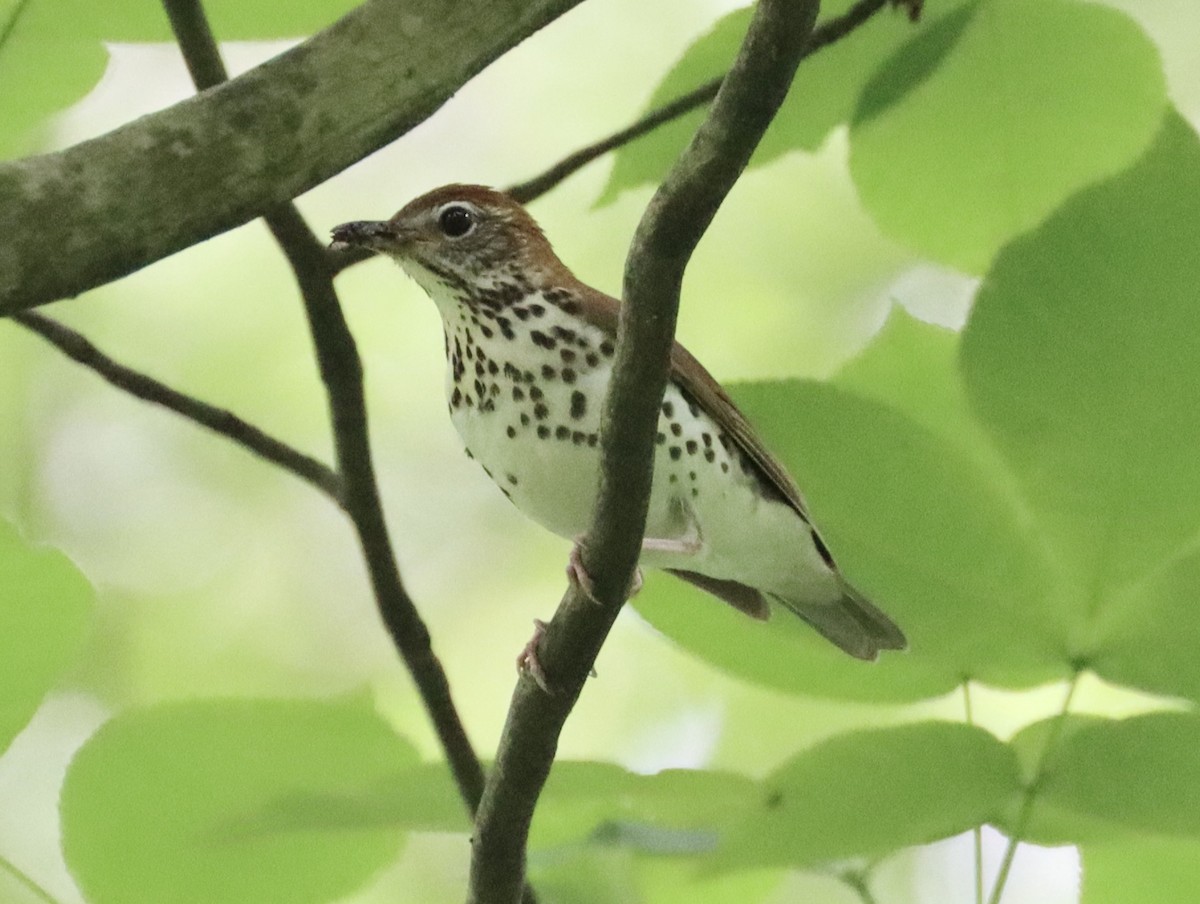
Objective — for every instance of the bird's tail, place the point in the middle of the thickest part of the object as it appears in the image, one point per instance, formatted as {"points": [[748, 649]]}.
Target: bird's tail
{"points": [[851, 623]]}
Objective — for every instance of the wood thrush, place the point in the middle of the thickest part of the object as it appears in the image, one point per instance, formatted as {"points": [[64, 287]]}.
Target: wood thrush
{"points": [[529, 350]]}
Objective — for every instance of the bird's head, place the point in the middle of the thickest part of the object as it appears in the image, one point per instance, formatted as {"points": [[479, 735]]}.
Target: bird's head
{"points": [[459, 238]]}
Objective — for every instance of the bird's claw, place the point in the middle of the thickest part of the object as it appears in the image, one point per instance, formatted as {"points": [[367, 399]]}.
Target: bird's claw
{"points": [[580, 578], [527, 659]]}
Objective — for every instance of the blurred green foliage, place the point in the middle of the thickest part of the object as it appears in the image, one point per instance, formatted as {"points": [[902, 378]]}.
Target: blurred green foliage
{"points": [[1021, 496], [52, 51]]}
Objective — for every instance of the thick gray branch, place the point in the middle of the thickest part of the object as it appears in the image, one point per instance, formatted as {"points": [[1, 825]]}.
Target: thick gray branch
{"points": [[677, 217], [78, 218]]}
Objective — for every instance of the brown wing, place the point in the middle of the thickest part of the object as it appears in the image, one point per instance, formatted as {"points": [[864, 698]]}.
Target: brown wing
{"points": [[850, 622], [742, 597], [689, 374]]}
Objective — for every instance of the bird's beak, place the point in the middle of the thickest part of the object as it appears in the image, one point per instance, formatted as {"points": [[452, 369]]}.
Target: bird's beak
{"points": [[371, 235]]}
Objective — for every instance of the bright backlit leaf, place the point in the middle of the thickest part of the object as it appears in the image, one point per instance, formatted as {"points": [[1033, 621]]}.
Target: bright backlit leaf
{"points": [[968, 136], [54, 49], [222, 801], [920, 528], [677, 811], [1144, 871], [1080, 357], [869, 792], [823, 96], [1140, 773], [45, 608]]}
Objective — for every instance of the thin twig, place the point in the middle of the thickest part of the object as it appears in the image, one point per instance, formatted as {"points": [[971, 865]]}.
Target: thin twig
{"points": [[537, 186], [219, 420], [1021, 824], [825, 34], [341, 372], [822, 36], [673, 223]]}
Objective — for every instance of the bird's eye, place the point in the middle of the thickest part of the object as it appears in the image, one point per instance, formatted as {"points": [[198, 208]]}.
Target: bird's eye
{"points": [[456, 221]]}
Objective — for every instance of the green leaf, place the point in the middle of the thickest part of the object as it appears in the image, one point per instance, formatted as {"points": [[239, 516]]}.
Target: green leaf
{"points": [[1080, 357], [675, 811], [823, 96], [1052, 824], [1140, 773], [664, 880], [47, 62], [917, 526], [912, 366], [585, 876], [45, 610], [1152, 632], [953, 158], [231, 20], [236, 20], [606, 875], [70, 34], [181, 802], [1141, 872], [872, 792]]}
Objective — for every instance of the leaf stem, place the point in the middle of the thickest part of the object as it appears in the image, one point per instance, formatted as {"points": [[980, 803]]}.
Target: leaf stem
{"points": [[977, 832], [857, 882], [1039, 775], [26, 880]]}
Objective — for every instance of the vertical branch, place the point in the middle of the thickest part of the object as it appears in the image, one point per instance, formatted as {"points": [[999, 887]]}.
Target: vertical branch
{"points": [[341, 372], [669, 231], [822, 36]]}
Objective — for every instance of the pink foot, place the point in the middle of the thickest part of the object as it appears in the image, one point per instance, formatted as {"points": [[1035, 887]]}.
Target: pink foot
{"points": [[578, 575], [635, 584], [527, 659]]}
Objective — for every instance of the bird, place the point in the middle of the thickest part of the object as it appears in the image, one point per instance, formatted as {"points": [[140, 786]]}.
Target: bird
{"points": [[529, 352]]}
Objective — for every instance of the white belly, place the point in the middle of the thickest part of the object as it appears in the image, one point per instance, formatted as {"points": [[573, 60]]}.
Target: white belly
{"points": [[536, 434]]}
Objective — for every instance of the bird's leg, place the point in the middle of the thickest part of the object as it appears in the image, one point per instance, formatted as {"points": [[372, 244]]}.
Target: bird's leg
{"points": [[578, 575], [528, 662], [688, 544]]}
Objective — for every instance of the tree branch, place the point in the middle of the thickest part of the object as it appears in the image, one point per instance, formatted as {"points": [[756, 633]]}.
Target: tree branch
{"points": [[672, 225], [341, 372], [78, 218], [823, 35], [218, 420]]}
